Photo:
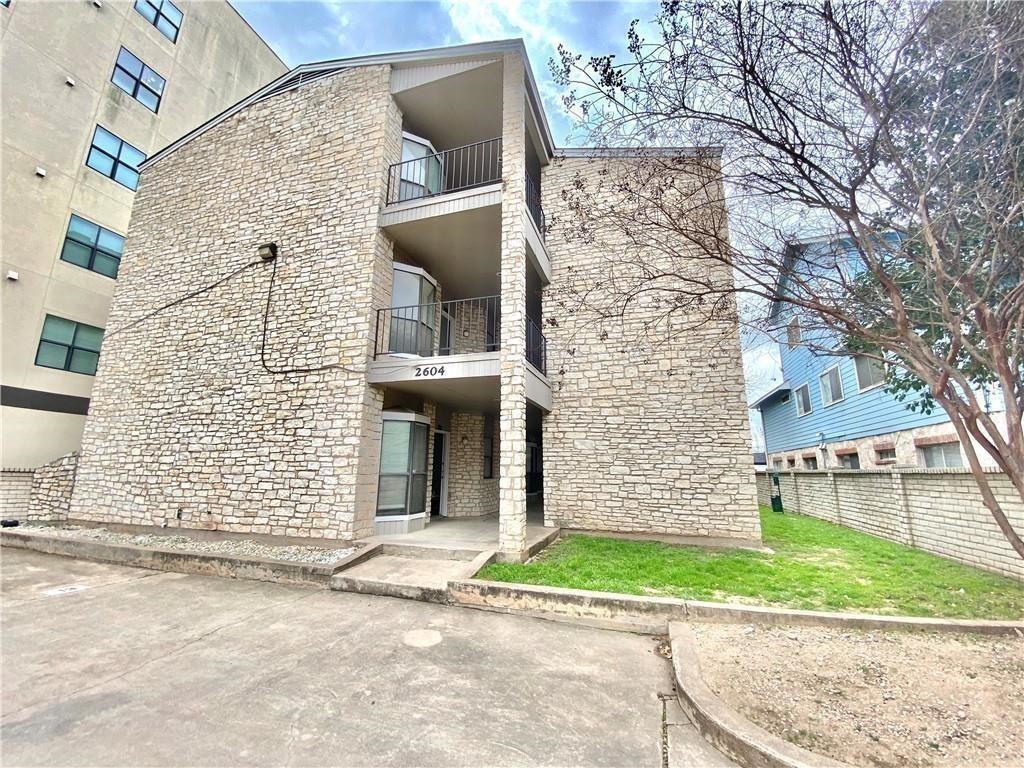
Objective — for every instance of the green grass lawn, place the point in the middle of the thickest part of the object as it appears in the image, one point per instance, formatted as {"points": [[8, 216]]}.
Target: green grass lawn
{"points": [[816, 565]]}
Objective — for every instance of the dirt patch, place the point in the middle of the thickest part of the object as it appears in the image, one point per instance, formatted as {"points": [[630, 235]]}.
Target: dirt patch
{"points": [[874, 698]]}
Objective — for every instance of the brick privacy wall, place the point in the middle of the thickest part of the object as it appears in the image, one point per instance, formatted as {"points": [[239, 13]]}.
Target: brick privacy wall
{"points": [[15, 492], [937, 510], [52, 485], [639, 439], [469, 492], [186, 427]]}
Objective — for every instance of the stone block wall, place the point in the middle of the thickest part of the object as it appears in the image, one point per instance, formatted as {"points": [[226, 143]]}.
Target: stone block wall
{"points": [[15, 492], [194, 420], [648, 431], [52, 486], [469, 492], [937, 510]]}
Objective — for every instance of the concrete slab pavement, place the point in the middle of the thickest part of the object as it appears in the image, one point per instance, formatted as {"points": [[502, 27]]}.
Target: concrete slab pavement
{"points": [[108, 665]]}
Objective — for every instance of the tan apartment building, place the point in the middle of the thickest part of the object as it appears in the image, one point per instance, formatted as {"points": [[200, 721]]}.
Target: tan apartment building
{"points": [[89, 89], [336, 318]]}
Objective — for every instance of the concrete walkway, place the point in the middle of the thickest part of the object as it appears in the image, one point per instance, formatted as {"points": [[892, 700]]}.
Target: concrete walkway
{"points": [[106, 665], [479, 533]]}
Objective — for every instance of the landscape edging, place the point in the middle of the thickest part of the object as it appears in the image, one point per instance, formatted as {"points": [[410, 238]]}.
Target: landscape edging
{"points": [[653, 614], [158, 559], [725, 728]]}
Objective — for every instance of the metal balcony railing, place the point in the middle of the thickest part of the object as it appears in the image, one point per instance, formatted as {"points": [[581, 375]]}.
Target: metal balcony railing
{"points": [[533, 204], [449, 171], [459, 327]]}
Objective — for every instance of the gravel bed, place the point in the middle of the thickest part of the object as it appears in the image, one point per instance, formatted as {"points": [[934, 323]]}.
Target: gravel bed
{"points": [[241, 547], [874, 698]]}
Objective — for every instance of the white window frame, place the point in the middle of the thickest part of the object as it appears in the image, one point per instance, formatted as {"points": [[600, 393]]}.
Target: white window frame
{"points": [[925, 448], [419, 418], [856, 371], [796, 397], [828, 401]]}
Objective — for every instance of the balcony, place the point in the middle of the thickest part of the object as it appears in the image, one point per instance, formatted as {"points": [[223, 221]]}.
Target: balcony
{"points": [[448, 352], [453, 170]]}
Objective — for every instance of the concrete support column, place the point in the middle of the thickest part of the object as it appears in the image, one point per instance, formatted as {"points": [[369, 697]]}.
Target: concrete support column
{"points": [[512, 422]]}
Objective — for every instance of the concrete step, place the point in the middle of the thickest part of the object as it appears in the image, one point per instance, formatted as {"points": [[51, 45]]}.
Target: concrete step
{"points": [[413, 573]]}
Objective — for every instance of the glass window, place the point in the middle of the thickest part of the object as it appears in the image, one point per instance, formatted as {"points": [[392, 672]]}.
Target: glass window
{"points": [[413, 313], [870, 372], [69, 346], [942, 455], [137, 80], [420, 170], [803, 400], [402, 486], [791, 463], [162, 14], [831, 386], [114, 158], [886, 454], [92, 247], [810, 462], [849, 461], [793, 332]]}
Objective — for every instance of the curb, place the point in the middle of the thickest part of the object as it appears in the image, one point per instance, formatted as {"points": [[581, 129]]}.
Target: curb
{"points": [[202, 563], [653, 614], [725, 728]]}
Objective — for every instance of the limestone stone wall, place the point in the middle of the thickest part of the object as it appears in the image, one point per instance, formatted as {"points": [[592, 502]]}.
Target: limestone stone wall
{"points": [[648, 432], [52, 485], [202, 414], [469, 492], [937, 510], [15, 492]]}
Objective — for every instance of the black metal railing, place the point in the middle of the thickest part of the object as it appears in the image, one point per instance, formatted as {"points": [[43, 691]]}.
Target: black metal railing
{"points": [[536, 347], [459, 327], [533, 204], [449, 171]]}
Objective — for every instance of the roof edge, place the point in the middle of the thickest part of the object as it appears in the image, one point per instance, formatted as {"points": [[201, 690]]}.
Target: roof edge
{"points": [[783, 387], [496, 47]]}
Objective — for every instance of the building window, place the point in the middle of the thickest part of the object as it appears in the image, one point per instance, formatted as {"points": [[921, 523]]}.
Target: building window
{"points": [[803, 400], [69, 346], [162, 14], [942, 455], [777, 464], [831, 386], [488, 446], [91, 246], [849, 461], [793, 336], [137, 80], [114, 158], [870, 372], [413, 312], [790, 463], [885, 455], [810, 462], [402, 486]]}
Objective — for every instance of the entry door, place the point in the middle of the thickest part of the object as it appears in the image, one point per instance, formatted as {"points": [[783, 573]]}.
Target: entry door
{"points": [[439, 479]]}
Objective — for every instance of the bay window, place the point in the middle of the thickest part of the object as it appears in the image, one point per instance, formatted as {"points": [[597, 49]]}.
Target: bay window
{"points": [[414, 311], [402, 485]]}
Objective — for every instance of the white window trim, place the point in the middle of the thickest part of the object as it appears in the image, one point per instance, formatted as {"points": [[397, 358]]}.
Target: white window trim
{"points": [[856, 373], [419, 140], [796, 399], [414, 270], [405, 416], [821, 386], [392, 518]]}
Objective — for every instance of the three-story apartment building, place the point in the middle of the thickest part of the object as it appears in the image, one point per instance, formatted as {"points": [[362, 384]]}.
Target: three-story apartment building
{"points": [[90, 89], [335, 319]]}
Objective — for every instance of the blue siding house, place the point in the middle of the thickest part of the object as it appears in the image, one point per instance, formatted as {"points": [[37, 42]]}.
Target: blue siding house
{"points": [[832, 410]]}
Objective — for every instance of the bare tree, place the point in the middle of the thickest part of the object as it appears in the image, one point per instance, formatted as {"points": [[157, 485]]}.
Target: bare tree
{"points": [[895, 130]]}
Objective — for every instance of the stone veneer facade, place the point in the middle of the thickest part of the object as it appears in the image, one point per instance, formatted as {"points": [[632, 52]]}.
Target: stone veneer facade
{"points": [[187, 427], [638, 440]]}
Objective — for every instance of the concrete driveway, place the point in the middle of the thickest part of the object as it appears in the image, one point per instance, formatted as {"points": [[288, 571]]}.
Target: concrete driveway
{"points": [[106, 665]]}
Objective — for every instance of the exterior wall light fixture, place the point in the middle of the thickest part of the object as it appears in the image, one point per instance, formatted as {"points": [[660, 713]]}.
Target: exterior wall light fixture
{"points": [[267, 251]]}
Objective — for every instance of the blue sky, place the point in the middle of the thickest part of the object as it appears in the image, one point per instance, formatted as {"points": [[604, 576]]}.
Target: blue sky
{"points": [[306, 31]]}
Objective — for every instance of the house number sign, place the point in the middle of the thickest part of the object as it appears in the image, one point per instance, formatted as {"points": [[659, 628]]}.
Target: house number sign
{"points": [[427, 371]]}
